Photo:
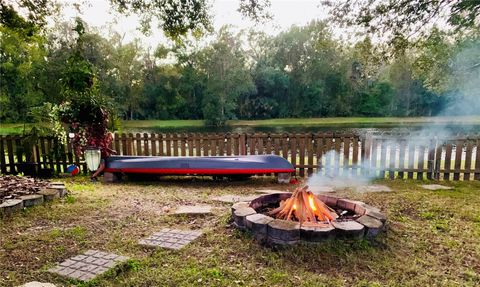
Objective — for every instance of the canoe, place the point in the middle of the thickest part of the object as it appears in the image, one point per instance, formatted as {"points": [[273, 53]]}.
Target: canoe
{"points": [[212, 165]]}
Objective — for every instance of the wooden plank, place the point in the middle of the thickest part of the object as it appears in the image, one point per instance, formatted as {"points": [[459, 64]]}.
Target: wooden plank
{"points": [[438, 160], [401, 158], [242, 143], [213, 145], [183, 145], [191, 146], [366, 154], [198, 145], [383, 158], [476, 175], [221, 144], [374, 162], [124, 144], [355, 152], [44, 156], [153, 141], [346, 156], [260, 144], [301, 144], [337, 155], [229, 144], [458, 159], [310, 153], [130, 140], [468, 161], [146, 140], [235, 144], [3, 163], [328, 158], [175, 139], [268, 146], [421, 161], [205, 145], [319, 150], [448, 161], [285, 144], [57, 156], [168, 144], [252, 142], [411, 159], [70, 153], [63, 156], [160, 145], [138, 140], [276, 145], [116, 140], [431, 159], [293, 151], [392, 160]]}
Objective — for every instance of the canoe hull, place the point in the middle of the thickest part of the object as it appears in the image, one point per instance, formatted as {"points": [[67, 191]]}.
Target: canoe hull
{"points": [[215, 165]]}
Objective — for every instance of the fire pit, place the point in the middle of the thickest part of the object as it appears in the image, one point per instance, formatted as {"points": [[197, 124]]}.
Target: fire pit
{"points": [[288, 218]]}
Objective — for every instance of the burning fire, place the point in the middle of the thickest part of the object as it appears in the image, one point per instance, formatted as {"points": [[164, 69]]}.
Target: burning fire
{"points": [[305, 207]]}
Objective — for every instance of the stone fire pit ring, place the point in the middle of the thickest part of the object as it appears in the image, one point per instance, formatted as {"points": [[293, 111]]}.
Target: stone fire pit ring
{"points": [[366, 221]]}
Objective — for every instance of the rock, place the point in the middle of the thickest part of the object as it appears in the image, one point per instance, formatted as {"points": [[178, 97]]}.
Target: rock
{"points": [[257, 223], [436, 187], [374, 188], [239, 205], [283, 232], [349, 229], [49, 194], [194, 209], [314, 232], [232, 198], [10, 206], [37, 284], [240, 214], [376, 214], [284, 177], [346, 204], [373, 225], [32, 200]]}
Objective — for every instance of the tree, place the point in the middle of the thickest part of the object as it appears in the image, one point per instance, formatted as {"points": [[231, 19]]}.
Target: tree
{"points": [[405, 18], [228, 79]]}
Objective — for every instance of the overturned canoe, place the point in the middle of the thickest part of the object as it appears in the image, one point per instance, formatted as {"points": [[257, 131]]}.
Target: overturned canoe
{"points": [[214, 165]]}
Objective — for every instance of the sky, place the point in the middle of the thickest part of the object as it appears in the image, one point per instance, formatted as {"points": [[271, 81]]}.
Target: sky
{"points": [[98, 14]]}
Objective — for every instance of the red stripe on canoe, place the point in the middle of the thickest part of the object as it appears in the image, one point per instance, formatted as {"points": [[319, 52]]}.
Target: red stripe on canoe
{"points": [[197, 170]]}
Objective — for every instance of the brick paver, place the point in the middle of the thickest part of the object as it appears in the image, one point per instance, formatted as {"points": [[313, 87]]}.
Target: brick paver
{"points": [[88, 265], [170, 238]]}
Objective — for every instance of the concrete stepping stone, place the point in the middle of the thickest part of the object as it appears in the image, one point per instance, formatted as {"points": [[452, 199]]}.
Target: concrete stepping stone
{"points": [[10, 206], [194, 209], [270, 191], [32, 200], [37, 284], [88, 265], [232, 198], [374, 188], [170, 238], [436, 187]]}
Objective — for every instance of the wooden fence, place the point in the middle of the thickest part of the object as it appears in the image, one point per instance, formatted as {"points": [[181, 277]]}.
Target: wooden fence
{"points": [[455, 158]]}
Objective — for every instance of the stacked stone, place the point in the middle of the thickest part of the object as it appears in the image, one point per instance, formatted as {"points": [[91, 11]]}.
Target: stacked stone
{"points": [[368, 222]]}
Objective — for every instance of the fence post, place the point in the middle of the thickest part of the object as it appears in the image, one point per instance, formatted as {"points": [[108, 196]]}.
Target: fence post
{"points": [[243, 144]]}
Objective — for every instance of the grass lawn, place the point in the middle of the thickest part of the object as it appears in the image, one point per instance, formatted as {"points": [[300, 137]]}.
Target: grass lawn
{"points": [[432, 239]]}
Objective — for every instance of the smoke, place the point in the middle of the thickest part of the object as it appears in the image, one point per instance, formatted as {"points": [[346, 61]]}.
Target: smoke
{"points": [[463, 100]]}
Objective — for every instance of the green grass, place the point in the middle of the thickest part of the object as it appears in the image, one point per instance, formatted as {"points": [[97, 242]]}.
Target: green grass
{"points": [[432, 239]]}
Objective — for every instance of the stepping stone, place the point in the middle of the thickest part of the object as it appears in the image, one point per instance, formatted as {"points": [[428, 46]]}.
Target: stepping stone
{"points": [[49, 194], [10, 206], [374, 188], [32, 200], [436, 187], [270, 191], [88, 265], [232, 198], [170, 238], [37, 284], [193, 209]]}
